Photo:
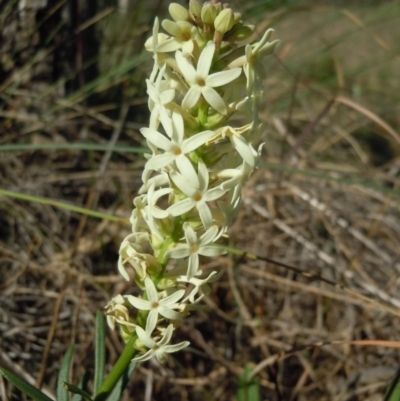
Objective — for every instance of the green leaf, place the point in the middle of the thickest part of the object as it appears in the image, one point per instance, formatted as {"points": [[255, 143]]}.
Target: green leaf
{"points": [[77, 390], [24, 386], [82, 385], [100, 352], [395, 396], [393, 391], [116, 394], [62, 394], [248, 390]]}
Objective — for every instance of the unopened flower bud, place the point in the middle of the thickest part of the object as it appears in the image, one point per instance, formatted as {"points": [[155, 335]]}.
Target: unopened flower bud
{"points": [[224, 21], [208, 14], [195, 8], [178, 12], [239, 32]]}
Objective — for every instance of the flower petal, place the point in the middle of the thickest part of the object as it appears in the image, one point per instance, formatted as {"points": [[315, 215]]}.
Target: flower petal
{"points": [[181, 181], [159, 213], [244, 149], [214, 99], [205, 60], [157, 139], [203, 176], [210, 250], [144, 337], [138, 303], [169, 45], [167, 96], [159, 161], [178, 127], [191, 97], [171, 27], [209, 235], [190, 235], [185, 67], [223, 77], [151, 321], [185, 167], [167, 336], [151, 290], [179, 252], [196, 141], [172, 299], [145, 357], [169, 313], [213, 194], [181, 207], [193, 265], [205, 213], [175, 347]]}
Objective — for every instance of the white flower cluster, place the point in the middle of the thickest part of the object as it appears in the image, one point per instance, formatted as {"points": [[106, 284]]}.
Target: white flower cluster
{"points": [[203, 77]]}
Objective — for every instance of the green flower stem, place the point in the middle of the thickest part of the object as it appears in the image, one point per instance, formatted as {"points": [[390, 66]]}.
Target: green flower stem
{"points": [[117, 371], [203, 113]]}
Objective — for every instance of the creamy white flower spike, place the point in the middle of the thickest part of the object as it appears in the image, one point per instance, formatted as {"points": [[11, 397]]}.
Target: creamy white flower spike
{"points": [[204, 74]]}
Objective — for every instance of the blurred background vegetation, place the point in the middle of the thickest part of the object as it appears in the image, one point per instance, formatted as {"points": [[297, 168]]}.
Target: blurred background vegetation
{"points": [[72, 85]]}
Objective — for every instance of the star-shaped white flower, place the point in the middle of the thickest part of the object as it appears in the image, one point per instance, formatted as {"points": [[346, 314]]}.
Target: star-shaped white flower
{"points": [[197, 196], [159, 349], [182, 33], [199, 284], [157, 305], [158, 99], [196, 246], [176, 148], [151, 45], [201, 83]]}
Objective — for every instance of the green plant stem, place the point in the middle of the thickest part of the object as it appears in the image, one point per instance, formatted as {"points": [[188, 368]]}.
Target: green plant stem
{"points": [[117, 371]]}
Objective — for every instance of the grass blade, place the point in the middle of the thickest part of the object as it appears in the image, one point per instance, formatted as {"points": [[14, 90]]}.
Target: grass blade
{"points": [[100, 352], [62, 393], [24, 386], [82, 385], [70, 146], [248, 390], [393, 391], [77, 390], [116, 394], [62, 205]]}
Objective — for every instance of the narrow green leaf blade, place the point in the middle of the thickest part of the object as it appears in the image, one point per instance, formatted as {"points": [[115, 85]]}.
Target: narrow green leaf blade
{"points": [[248, 390], [116, 394], [24, 386], [62, 393], [77, 390], [395, 396], [82, 385], [19, 147], [100, 352], [393, 391]]}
